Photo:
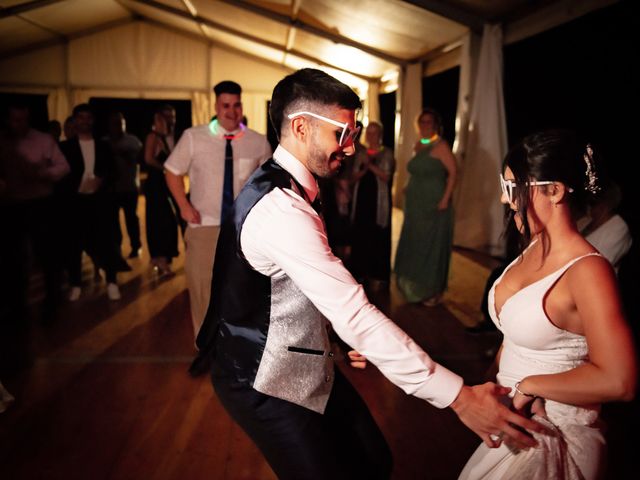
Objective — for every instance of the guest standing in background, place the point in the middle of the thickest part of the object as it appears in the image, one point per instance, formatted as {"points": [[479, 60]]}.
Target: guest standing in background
{"points": [[604, 228], [424, 249], [162, 224], [371, 210], [31, 163], [218, 158], [336, 194], [87, 193], [126, 150]]}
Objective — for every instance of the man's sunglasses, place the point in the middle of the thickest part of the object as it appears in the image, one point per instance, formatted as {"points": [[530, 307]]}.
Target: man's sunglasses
{"points": [[343, 136]]}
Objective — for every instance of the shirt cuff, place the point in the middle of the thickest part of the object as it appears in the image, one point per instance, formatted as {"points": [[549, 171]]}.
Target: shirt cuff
{"points": [[442, 388], [171, 169]]}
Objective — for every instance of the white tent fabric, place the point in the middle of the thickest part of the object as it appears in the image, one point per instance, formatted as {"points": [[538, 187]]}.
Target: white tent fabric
{"points": [[141, 60], [373, 104], [411, 94], [468, 59], [479, 213]]}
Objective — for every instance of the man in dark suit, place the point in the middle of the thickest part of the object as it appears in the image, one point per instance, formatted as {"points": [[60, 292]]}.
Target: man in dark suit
{"points": [[89, 204]]}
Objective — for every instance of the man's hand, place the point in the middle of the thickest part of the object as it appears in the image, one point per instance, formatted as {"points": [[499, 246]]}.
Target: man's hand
{"points": [[190, 214], [357, 360], [480, 409], [92, 183], [443, 204]]}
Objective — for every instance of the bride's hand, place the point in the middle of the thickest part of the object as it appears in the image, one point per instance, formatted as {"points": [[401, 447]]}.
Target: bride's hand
{"points": [[520, 402], [529, 406]]}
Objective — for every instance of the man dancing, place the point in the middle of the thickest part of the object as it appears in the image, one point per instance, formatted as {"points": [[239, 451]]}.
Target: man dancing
{"points": [[277, 285]]}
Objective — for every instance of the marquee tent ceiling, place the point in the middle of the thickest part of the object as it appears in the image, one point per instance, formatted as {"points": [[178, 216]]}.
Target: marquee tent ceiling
{"points": [[367, 38]]}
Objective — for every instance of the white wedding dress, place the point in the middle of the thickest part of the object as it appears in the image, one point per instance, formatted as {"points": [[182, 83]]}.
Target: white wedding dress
{"points": [[534, 346]]}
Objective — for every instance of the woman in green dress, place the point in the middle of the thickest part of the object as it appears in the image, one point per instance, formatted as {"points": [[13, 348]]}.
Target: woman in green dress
{"points": [[424, 250]]}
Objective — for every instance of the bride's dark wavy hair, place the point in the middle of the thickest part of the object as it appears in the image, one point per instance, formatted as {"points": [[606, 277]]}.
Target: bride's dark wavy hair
{"points": [[552, 155]]}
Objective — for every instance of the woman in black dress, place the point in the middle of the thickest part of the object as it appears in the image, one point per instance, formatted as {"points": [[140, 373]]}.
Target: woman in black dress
{"points": [[161, 220]]}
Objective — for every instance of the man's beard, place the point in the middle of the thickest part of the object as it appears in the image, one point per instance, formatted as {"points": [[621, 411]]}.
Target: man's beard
{"points": [[320, 165]]}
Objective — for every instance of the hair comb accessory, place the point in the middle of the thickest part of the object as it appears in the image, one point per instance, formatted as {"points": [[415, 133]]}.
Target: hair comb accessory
{"points": [[592, 179]]}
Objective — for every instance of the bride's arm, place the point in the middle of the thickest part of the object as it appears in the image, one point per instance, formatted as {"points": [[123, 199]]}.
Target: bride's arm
{"points": [[611, 373]]}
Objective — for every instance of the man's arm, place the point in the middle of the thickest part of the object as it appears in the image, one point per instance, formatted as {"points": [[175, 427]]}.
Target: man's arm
{"points": [[176, 186], [282, 233], [58, 166], [175, 168]]}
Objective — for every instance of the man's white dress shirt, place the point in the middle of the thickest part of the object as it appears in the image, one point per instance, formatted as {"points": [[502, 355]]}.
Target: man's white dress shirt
{"points": [[200, 154], [282, 234]]}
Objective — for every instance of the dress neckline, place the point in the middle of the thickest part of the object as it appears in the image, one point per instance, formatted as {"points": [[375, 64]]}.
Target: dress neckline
{"points": [[499, 280]]}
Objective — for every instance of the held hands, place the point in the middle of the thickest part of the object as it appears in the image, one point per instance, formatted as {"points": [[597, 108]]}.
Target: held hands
{"points": [[356, 360], [480, 409]]}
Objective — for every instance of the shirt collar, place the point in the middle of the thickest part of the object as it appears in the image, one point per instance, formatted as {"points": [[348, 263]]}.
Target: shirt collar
{"points": [[303, 176], [219, 131]]}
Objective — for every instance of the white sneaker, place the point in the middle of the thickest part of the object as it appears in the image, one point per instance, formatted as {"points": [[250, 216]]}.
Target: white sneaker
{"points": [[113, 292], [74, 294]]}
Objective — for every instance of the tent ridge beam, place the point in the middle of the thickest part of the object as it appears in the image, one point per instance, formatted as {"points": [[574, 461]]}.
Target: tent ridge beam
{"points": [[246, 36], [215, 43], [25, 7], [301, 25], [451, 12]]}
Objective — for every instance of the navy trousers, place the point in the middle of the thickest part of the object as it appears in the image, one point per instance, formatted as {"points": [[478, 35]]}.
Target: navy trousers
{"points": [[300, 444]]}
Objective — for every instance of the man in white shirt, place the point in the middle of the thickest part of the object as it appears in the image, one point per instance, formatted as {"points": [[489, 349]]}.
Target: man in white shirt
{"points": [[277, 286], [604, 228], [201, 154]]}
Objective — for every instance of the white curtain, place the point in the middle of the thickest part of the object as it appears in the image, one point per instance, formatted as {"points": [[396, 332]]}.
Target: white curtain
{"points": [[479, 214], [201, 107], [373, 104], [58, 105], [469, 51], [411, 95]]}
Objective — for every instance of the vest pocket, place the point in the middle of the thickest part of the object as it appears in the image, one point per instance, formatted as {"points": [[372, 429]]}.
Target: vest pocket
{"points": [[307, 351]]}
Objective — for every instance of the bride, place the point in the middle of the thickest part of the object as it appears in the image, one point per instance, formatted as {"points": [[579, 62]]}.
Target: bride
{"points": [[567, 346]]}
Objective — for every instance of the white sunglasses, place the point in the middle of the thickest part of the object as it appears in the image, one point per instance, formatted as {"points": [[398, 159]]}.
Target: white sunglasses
{"points": [[508, 186], [343, 137]]}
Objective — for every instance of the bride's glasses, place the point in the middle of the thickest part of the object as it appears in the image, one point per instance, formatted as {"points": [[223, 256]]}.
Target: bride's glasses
{"points": [[508, 186]]}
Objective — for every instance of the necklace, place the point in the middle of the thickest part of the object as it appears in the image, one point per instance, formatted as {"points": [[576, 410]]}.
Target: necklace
{"points": [[431, 139], [213, 128]]}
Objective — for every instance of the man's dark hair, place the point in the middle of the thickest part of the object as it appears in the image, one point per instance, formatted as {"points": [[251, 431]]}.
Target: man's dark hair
{"points": [[309, 85], [227, 86], [83, 107]]}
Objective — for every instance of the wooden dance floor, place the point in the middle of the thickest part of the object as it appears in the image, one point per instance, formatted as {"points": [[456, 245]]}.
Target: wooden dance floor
{"points": [[107, 394]]}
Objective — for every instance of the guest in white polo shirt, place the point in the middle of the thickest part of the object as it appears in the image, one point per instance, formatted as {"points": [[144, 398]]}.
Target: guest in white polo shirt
{"points": [[218, 159]]}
